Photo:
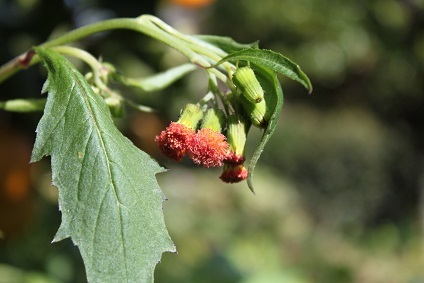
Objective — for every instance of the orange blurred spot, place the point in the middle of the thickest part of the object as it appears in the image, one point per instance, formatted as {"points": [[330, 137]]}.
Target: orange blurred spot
{"points": [[192, 3], [16, 201], [17, 185]]}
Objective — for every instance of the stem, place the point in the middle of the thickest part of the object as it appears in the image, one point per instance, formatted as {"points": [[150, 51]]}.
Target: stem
{"points": [[213, 86], [80, 54], [195, 44], [139, 107], [16, 65], [200, 47], [146, 24]]}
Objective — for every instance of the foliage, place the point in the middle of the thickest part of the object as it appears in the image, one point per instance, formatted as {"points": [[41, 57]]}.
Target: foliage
{"points": [[110, 201], [338, 185]]}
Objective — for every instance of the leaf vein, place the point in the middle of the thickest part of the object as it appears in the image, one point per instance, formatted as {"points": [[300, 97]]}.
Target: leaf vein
{"points": [[104, 149]]}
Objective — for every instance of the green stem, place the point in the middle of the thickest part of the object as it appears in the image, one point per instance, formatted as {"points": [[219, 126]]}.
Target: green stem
{"points": [[80, 54], [139, 107], [168, 35], [195, 44], [15, 65], [213, 87], [146, 24]]}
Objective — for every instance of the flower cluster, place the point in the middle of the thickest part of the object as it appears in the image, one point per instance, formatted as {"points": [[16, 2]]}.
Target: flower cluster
{"points": [[205, 145], [213, 139], [199, 135]]}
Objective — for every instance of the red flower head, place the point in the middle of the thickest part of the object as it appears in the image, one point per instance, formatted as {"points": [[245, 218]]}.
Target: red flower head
{"points": [[174, 139], [234, 173], [208, 147]]}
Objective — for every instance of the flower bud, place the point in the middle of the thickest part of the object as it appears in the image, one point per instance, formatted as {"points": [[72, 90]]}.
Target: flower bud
{"points": [[245, 80], [89, 77], [236, 136], [214, 119], [190, 115], [255, 112], [259, 113]]}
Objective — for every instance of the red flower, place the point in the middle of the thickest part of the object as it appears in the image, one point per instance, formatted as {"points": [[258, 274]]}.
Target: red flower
{"points": [[234, 174], [208, 148], [233, 158], [173, 140]]}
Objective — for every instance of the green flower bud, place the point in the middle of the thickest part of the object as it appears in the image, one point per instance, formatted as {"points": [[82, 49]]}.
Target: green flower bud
{"points": [[115, 105], [237, 130], [255, 112], [190, 115], [214, 119], [259, 113], [245, 80], [89, 77], [237, 133]]}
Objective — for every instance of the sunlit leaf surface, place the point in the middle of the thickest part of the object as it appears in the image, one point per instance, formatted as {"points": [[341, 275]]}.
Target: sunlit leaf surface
{"points": [[274, 98], [110, 201]]}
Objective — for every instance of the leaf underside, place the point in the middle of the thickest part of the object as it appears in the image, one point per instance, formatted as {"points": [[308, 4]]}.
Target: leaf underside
{"points": [[161, 80], [272, 60], [110, 201], [269, 82], [225, 43]]}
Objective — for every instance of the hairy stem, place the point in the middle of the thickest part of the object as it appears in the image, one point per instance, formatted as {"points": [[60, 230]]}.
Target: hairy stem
{"points": [[145, 24]]}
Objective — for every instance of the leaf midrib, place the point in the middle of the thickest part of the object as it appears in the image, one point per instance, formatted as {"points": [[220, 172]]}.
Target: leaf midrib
{"points": [[76, 79]]}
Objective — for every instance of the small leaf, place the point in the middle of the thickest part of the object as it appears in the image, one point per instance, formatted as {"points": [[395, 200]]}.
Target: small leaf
{"points": [[227, 44], [272, 60], [110, 201], [269, 82], [23, 105], [158, 81]]}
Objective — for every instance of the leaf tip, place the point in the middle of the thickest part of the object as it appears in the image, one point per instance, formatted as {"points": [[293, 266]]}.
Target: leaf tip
{"points": [[250, 184], [309, 86], [310, 89]]}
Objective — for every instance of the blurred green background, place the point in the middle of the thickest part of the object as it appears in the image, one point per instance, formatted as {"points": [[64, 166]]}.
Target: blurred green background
{"points": [[338, 189]]}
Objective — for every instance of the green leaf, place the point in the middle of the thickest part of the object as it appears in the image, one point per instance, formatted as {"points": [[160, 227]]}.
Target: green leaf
{"points": [[110, 201], [272, 60], [273, 92], [158, 81], [23, 105], [225, 43]]}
